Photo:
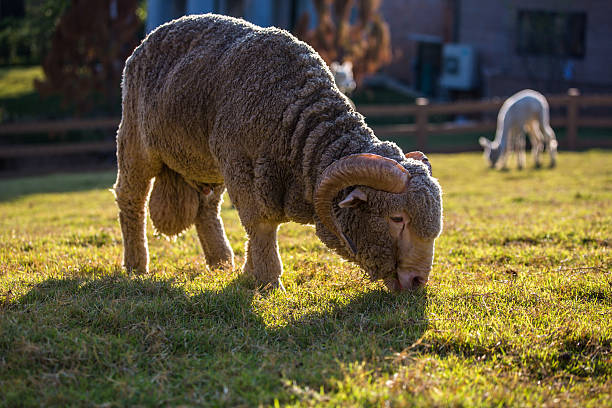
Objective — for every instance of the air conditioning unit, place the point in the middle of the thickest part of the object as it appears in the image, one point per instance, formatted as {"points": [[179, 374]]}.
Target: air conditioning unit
{"points": [[459, 67]]}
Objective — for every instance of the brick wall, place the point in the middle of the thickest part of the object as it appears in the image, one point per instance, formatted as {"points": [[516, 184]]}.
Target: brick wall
{"points": [[410, 21], [491, 26]]}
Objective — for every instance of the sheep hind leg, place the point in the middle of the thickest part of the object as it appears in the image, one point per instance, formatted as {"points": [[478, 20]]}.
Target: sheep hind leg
{"points": [[216, 247], [537, 146], [131, 190], [263, 260]]}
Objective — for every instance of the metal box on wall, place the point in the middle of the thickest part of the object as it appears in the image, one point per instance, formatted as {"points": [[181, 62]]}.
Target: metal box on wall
{"points": [[459, 67]]}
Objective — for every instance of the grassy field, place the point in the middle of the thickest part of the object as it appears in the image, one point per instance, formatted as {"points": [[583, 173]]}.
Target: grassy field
{"points": [[18, 81], [19, 100], [518, 310]]}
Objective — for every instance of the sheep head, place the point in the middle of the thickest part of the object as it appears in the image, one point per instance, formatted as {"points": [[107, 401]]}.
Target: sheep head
{"points": [[382, 216], [492, 152]]}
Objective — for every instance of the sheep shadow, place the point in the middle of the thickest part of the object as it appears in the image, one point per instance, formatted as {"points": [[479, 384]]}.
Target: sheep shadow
{"points": [[147, 326]]}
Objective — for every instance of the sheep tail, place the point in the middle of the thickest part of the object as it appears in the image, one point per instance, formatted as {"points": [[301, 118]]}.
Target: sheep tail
{"points": [[173, 204]]}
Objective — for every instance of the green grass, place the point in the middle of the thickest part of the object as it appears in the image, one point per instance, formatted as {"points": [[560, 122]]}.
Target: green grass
{"points": [[379, 95], [518, 310], [19, 100], [18, 81]]}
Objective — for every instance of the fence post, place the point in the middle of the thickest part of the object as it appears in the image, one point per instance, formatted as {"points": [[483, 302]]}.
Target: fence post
{"points": [[572, 117], [421, 121]]}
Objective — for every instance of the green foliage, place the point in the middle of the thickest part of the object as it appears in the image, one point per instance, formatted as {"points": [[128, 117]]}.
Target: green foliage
{"points": [[516, 313], [18, 99], [27, 40], [379, 95], [88, 49]]}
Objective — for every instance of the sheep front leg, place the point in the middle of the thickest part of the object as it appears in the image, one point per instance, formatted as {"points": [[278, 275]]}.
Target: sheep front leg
{"points": [[209, 226], [502, 163], [262, 257], [537, 146], [551, 143]]}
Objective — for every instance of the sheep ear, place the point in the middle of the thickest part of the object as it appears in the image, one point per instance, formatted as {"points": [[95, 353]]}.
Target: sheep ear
{"points": [[420, 156], [483, 142], [355, 197]]}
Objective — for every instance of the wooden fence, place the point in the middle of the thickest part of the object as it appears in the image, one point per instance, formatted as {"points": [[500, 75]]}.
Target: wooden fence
{"points": [[570, 104], [8, 151], [420, 113]]}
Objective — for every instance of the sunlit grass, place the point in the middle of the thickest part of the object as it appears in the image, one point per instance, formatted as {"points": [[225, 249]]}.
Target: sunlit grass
{"points": [[518, 310], [15, 82]]}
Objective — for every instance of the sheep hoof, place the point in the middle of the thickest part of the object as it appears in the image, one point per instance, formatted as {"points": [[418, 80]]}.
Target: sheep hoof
{"points": [[223, 264], [135, 270], [269, 286]]}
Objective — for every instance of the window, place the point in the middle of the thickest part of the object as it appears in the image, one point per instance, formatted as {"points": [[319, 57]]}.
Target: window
{"points": [[551, 33]]}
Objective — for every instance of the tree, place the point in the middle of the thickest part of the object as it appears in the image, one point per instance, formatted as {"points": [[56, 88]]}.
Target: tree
{"points": [[363, 40], [88, 50], [26, 28]]}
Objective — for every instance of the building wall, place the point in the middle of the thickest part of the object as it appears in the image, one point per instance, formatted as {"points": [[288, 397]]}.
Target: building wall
{"points": [[411, 22], [491, 26], [261, 12]]}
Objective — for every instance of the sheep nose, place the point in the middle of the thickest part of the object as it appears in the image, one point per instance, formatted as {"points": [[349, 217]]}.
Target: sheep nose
{"points": [[411, 280]]}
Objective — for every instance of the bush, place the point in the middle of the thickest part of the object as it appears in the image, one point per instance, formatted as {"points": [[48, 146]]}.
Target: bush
{"points": [[26, 40]]}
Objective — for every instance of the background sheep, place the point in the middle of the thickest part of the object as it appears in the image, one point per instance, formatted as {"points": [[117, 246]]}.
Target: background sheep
{"points": [[211, 102], [343, 76], [526, 111]]}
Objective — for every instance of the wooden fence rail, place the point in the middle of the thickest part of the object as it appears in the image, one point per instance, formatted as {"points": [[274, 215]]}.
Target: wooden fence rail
{"points": [[421, 112], [58, 126]]}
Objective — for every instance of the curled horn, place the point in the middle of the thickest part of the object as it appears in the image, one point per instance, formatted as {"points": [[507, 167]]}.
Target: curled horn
{"points": [[420, 156], [365, 169]]}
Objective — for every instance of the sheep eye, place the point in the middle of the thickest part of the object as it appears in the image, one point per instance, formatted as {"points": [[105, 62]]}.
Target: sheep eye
{"points": [[397, 219]]}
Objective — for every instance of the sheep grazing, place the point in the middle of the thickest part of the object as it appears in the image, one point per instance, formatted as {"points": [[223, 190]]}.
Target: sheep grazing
{"points": [[526, 111], [213, 102], [343, 76]]}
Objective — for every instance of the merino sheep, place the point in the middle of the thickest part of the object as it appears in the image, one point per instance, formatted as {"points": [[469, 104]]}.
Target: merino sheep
{"points": [[212, 102], [525, 111]]}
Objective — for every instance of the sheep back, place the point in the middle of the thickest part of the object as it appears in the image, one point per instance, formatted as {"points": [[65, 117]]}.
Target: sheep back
{"points": [[214, 96]]}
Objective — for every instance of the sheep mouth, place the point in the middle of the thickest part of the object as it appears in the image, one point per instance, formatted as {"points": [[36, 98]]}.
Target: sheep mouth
{"points": [[395, 285]]}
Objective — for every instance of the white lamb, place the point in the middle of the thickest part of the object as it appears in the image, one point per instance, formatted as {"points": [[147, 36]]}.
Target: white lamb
{"points": [[343, 75], [526, 111]]}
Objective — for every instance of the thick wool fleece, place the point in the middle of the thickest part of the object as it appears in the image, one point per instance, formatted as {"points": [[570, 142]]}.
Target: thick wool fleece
{"points": [[367, 224], [213, 100]]}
